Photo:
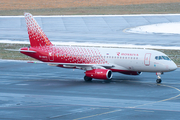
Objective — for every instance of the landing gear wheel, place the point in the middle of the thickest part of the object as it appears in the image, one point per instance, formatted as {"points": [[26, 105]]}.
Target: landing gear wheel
{"points": [[158, 80], [87, 79], [159, 77]]}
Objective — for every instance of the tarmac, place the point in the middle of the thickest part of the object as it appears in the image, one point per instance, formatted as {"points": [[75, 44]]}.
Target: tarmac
{"points": [[39, 92]]}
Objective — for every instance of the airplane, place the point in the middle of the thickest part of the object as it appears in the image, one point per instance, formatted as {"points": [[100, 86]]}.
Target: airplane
{"points": [[98, 63]]}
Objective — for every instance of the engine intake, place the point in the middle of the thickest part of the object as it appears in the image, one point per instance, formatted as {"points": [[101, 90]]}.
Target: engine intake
{"points": [[99, 74]]}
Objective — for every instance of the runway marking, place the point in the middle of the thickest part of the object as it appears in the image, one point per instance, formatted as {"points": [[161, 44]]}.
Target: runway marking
{"points": [[21, 84], [143, 111], [163, 99], [171, 97], [58, 116], [144, 82], [98, 114]]}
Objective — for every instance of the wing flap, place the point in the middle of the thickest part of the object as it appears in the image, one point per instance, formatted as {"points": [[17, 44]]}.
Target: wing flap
{"points": [[81, 65]]}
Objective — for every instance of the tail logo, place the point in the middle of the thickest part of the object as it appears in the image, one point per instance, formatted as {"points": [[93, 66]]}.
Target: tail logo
{"points": [[36, 34]]}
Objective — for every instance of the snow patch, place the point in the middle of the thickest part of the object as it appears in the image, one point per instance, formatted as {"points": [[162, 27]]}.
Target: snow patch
{"points": [[163, 28], [89, 44]]}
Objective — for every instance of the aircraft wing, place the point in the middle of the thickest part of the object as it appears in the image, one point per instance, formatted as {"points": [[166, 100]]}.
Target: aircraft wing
{"points": [[80, 66]]}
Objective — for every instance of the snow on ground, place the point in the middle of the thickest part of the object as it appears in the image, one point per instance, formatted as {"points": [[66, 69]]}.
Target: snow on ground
{"points": [[89, 44], [163, 28]]}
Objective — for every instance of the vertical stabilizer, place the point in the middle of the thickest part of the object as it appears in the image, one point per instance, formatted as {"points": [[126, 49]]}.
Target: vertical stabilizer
{"points": [[36, 35]]}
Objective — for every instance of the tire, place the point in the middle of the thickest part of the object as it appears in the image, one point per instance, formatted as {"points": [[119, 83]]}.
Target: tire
{"points": [[87, 79], [158, 80]]}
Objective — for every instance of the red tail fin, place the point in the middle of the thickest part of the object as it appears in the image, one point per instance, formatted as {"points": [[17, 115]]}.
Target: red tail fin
{"points": [[36, 35]]}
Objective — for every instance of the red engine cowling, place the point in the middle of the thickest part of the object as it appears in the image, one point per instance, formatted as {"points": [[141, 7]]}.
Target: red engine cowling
{"points": [[99, 74], [131, 73]]}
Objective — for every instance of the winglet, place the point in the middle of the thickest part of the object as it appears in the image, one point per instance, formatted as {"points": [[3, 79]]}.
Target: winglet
{"points": [[36, 34]]}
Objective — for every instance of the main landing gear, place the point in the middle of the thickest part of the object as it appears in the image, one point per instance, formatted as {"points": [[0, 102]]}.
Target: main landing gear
{"points": [[158, 77], [87, 79]]}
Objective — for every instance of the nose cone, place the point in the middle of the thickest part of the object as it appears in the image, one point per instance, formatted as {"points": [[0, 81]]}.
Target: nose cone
{"points": [[172, 66]]}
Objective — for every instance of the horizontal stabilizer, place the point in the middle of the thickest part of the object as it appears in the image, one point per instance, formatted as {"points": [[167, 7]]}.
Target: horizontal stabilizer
{"points": [[21, 50]]}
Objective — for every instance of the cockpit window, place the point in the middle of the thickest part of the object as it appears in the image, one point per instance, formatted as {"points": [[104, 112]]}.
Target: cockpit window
{"points": [[166, 58], [162, 58], [157, 57]]}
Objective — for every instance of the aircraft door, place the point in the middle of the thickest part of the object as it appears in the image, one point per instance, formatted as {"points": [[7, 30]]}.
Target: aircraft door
{"points": [[147, 58]]}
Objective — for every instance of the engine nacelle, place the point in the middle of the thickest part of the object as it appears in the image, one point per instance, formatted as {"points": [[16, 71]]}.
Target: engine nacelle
{"points": [[131, 73], [99, 74]]}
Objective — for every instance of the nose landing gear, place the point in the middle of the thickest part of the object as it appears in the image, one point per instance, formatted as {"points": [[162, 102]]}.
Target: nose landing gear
{"points": [[158, 77]]}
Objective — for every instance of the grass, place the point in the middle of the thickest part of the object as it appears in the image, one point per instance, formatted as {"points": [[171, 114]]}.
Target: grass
{"points": [[13, 55]]}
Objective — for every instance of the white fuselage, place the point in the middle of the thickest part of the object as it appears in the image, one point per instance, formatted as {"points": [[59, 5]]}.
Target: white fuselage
{"points": [[141, 60]]}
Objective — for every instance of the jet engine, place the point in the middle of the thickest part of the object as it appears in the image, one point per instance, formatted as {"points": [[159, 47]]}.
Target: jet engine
{"points": [[99, 74]]}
